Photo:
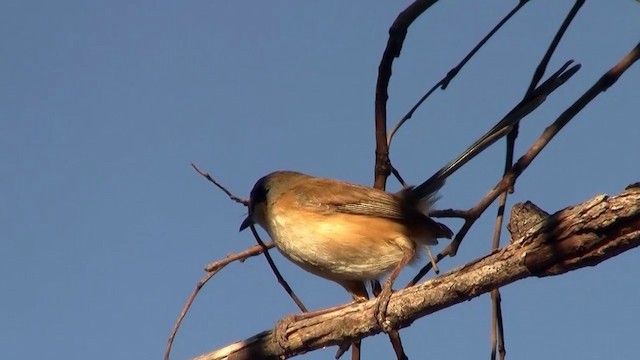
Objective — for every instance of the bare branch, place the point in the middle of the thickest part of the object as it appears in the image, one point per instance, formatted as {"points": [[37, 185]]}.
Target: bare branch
{"points": [[542, 66], [397, 34], [576, 237], [252, 251], [219, 186], [502, 128], [241, 256], [497, 331], [444, 82], [183, 313], [213, 268], [275, 270], [606, 81]]}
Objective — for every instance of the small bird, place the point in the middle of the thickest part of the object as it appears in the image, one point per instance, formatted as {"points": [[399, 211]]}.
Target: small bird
{"points": [[343, 232], [350, 233]]}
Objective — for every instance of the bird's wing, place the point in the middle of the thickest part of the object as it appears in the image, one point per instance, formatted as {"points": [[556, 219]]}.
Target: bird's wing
{"points": [[331, 196], [337, 196]]}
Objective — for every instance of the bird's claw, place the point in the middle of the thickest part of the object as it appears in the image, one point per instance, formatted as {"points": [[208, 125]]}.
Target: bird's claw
{"points": [[380, 310]]}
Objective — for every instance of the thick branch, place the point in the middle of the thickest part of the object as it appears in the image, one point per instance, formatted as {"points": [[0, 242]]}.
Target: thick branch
{"points": [[578, 236]]}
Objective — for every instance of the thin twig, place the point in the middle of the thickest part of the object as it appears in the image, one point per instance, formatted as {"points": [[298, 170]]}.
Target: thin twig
{"points": [[255, 250], [184, 311], [497, 330], [444, 82], [356, 350], [220, 186], [382, 169], [502, 128], [275, 270], [211, 269], [606, 81], [397, 34], [396, 342], [542, 66], [251, 251], [398, 177]]}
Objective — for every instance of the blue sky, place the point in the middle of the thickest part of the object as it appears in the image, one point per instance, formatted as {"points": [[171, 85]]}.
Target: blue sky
{"points": [[105, 228]]}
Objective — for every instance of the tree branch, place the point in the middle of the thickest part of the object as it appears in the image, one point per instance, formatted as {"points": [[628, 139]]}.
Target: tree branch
{"points": [[397, 34], [575, 237]]}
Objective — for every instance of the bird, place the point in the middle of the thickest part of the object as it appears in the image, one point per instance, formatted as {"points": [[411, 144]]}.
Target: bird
{"points": [[350, 233], [343, 232]]}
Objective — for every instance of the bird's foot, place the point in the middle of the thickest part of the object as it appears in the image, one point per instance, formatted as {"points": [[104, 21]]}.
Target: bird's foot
{"points": [[380, 309]]}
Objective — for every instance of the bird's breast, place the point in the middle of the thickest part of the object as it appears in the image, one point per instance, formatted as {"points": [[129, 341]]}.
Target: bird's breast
{"points": [[339, 246]]}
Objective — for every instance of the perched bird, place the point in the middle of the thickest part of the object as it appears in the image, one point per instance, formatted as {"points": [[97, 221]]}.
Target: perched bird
{"points": [[350, 233], [343, 232]]}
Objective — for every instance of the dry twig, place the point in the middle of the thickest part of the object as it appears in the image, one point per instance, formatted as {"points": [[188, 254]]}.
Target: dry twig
{"points": [[444, 82], [397, 34], [606, 81], [220, 186], [497, 329], [216, 266], [241, 256]]}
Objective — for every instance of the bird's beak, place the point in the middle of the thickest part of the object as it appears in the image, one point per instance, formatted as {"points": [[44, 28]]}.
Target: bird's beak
{"points": [[248, 221]]}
